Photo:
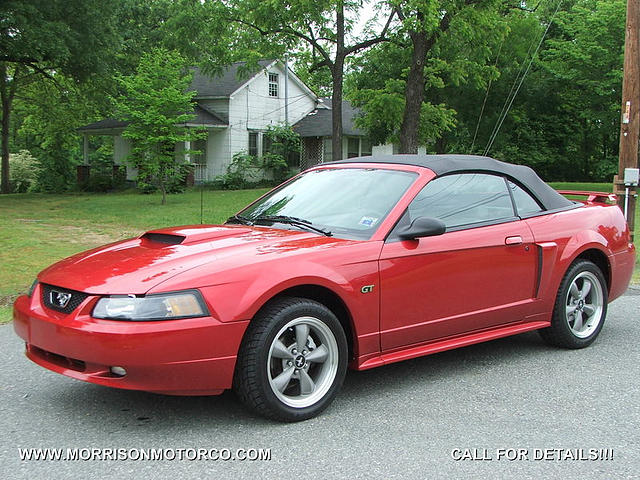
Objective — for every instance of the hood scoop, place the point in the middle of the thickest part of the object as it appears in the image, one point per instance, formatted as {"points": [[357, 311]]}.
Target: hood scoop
{"points": [[191, 234], [163, 238]]}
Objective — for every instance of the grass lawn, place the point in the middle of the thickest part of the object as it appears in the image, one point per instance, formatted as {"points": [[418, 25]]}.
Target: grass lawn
{"points": [[37, 229]]}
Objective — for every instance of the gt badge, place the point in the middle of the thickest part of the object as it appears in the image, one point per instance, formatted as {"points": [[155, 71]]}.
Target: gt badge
{"points": [[367, 289]]}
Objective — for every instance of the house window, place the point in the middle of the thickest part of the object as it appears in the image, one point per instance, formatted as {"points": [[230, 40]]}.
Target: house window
{"points": [[273, 85], [253, 144], [365, 147], [353, 147]]}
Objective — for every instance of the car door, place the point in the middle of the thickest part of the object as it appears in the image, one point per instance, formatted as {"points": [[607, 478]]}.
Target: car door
{"points": [[481, 273]]}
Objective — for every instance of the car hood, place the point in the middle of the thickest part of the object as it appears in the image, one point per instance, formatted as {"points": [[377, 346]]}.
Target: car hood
{"points": [[137, 265]]}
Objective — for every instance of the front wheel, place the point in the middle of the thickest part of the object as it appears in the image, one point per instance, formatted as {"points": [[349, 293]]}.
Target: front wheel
{"points": [[580, 308], [292, 361]]}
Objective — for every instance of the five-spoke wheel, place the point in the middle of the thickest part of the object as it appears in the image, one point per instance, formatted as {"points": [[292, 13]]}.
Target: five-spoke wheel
{"points": [[580, 308], [302, 362], [584, 304], [292, 360]]}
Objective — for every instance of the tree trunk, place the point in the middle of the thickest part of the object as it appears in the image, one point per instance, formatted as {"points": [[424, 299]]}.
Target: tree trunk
{"points": [[414, 92], [337, 77], [336, 110], [414, 95]]}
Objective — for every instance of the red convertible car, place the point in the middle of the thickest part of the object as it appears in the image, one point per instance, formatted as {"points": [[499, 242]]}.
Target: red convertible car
{"points": [[356, 263]]}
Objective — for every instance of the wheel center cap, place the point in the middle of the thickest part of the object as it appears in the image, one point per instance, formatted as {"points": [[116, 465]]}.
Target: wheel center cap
{"points": [[300, 361], [580, 304]]}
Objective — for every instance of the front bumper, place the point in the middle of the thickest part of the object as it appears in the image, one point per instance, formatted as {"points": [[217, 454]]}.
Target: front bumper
{"points": [[179, 357]]}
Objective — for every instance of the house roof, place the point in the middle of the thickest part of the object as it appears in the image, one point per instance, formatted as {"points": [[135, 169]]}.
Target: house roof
{"points": [[318, 122], [447, 164], [224, 84], [104, 124], [204, 116]]}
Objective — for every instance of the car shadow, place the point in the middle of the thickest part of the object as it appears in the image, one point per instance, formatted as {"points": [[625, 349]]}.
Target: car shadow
{"points": [[113, 410]]}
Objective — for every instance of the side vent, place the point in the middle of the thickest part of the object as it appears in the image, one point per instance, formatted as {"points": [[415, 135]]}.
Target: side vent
{"points": [[163, 238]]}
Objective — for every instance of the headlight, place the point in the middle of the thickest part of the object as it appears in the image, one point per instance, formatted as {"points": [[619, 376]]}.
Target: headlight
{"points": [[165, 306], [32, 288]]}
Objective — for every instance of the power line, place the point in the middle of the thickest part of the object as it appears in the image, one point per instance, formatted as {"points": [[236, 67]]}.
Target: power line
{"points": [[503, 116], [486, 96]]}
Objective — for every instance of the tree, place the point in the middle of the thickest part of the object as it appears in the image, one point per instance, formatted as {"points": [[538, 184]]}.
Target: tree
{"points": [[324, 26], [157, 106], [48, 38], [425, 23], [399, 85], [584, 61]]}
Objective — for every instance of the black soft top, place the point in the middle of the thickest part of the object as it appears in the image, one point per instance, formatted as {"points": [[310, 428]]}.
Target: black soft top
{"points": [[445, 164]]}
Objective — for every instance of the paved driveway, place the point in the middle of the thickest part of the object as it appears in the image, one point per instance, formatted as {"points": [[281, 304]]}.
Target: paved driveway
{"points": [[406, 420]]}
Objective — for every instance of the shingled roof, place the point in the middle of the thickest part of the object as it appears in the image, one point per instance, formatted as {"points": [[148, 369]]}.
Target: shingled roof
{"points": [[318, 122], [203, 116], [228, 81]]}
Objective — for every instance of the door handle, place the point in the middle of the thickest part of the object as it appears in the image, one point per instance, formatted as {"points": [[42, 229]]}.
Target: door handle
{"points": [[514, 240]]}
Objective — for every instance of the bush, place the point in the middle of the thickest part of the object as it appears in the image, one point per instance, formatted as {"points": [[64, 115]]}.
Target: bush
{"points": [[243, 171], [23, 172]]}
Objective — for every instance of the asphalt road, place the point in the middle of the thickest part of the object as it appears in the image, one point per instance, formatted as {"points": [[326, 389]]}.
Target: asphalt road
{"points": [[405, 420]]}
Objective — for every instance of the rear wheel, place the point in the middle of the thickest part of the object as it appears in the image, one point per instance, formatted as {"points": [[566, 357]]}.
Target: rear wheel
{"points": [[292, 361], [580, 308]]}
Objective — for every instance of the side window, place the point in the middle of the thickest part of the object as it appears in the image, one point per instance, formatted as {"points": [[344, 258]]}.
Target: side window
{"points": [[525, 203], [463, 199]]}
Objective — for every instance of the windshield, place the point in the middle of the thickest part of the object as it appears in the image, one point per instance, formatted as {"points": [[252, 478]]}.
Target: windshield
{"points": [[344, 202]]}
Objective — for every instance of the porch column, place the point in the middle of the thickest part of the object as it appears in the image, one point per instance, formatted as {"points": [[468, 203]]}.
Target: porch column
{"points": [[85, 149], [187, 155]]}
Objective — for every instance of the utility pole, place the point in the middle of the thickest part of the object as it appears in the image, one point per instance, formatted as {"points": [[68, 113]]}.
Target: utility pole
{"points": [[630, 119]]}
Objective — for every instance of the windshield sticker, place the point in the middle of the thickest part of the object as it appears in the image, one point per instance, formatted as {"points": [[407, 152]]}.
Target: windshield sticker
{"points": [[368, 221]]}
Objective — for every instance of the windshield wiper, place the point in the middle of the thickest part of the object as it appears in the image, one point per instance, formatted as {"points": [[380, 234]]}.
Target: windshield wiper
{"points": [[239, 219], [299, 222]]}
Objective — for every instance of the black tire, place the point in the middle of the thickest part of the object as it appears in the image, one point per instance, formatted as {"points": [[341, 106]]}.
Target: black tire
{"points": [[580, 328], [264, 365]]}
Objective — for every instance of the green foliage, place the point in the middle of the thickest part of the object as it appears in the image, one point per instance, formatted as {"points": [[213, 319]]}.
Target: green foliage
{"points": [[242, 172], [565, 120], [282, 151], [157, 106], [68, 36], [278, 163], [56, 40], [24, 171], [459, 57], [382, 111], [50, 115]]}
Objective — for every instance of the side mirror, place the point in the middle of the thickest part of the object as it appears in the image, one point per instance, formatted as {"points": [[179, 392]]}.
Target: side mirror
{"points": [[423, 227]]}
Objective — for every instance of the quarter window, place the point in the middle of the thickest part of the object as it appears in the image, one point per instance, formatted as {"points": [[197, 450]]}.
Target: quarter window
{"points": [[463, 199], [525, 203]]}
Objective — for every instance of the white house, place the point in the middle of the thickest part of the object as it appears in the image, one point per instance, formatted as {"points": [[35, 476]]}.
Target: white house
{"points": [[236, 109]]}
